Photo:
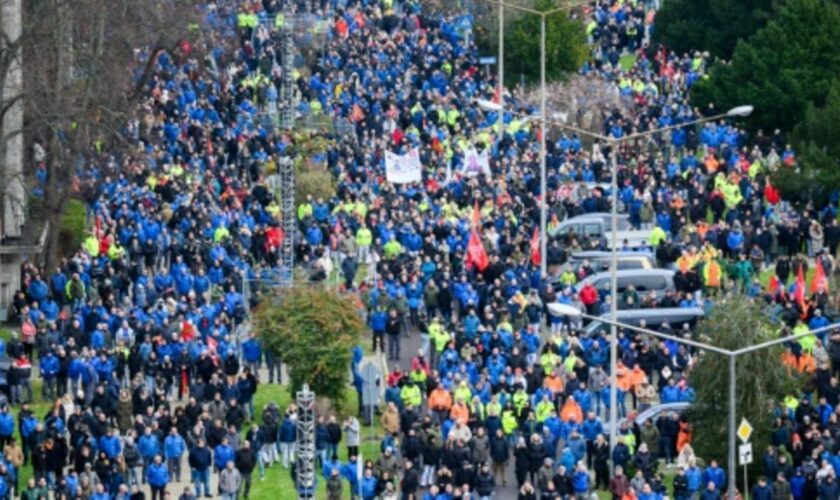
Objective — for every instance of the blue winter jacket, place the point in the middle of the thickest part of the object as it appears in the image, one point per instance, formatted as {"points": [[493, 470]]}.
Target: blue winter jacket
{"points": [[157, 475]]}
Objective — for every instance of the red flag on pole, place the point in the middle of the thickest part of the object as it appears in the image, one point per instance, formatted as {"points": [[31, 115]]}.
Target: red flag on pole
{"points": [[799, 290], [535, 247], [476, 254], [819, 278]]}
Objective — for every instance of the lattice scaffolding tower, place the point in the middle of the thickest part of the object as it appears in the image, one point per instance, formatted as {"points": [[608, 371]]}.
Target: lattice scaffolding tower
{"points": [[305, 466]]}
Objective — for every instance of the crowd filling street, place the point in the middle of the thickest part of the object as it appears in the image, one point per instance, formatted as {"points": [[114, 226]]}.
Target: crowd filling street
{"points": [[141, 336]]}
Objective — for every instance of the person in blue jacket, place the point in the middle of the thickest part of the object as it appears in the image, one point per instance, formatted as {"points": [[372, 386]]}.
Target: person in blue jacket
{"points": [[288, 436], [157, 475], [110, 444], [580, 481], [670, 393], [174, 447], [369, 484], [149, 447], [222, 455], [714, 474], [350, 472], [49, 372], [252, 353], [7, 426]]}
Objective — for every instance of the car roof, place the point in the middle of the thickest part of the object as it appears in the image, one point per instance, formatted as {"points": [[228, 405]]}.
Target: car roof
{"points": [[623, 273], [601, 254], [659, 409]]}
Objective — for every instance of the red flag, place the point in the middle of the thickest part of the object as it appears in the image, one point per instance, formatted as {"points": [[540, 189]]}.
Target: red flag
{"points": [[819, 278], [212, 344], [799, 290], [773, 284], [476, 254], [535, 247]]}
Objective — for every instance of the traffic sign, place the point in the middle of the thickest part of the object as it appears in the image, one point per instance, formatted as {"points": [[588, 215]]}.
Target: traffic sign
{"points": [[745, 454], [487, 60], [744, 430]]}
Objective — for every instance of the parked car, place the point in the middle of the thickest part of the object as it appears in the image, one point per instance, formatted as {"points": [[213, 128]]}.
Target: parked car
{"points": [[593, 225], [643, 280], [675, 317], [600, 261]]}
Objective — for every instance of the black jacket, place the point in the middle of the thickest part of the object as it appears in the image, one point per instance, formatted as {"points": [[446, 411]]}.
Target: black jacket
{"points": [[246, 460], [499, 450], [200, 458]]}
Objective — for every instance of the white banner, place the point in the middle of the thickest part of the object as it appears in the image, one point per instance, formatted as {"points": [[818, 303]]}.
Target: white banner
{"points": [[402, 169], [476, 163]]}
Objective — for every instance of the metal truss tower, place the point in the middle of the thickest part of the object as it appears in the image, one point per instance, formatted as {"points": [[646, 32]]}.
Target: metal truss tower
{"points": [[305, 467], [287, 95], [286, 169]]}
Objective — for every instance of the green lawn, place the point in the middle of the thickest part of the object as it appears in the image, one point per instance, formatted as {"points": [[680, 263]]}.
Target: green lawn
{"points": [[627, 61], [278, 482]]}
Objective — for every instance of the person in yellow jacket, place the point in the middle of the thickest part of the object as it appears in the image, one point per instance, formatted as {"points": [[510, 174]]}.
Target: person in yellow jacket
{"points": [[658, 236], [221, 233], [410, 395], [463, 394], [91, 246], [418, 376], [509, 421], [520, 400], [305, 209], [808, 342], [115, 251], [547, 360], [544, 409], [363, 240], [392, 249], [439, 339]]}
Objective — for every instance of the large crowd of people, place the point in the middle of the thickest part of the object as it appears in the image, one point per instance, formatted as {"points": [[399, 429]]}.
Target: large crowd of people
{"points": [[141, 338]]}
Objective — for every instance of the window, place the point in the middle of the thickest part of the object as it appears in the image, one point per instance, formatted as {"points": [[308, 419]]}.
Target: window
{"points": [[592, 229]]}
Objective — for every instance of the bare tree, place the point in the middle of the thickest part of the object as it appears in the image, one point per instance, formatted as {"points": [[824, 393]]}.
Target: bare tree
{"points": [[582, 101], [87, 63]]}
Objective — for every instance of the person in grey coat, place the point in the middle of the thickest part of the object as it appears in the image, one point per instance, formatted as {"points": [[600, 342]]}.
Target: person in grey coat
{"points": [[229, 482], [480, 447], [351, 435]]}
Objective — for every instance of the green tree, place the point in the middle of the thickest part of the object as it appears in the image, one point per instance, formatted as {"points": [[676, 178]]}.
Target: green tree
{"points": [[762, 381], [784, 67], [565, 45], [816, 139], [715, 26], [313, 330]]}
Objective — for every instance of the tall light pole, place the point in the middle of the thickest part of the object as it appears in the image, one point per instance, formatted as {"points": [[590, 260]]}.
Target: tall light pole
{"points": [[543, 190], [500, 83]]}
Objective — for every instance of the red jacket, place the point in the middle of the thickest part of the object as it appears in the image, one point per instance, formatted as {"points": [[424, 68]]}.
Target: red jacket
{"points": [[588, 295]]}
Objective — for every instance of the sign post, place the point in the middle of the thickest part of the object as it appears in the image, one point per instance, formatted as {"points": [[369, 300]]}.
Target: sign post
{"points": [[745, 451]]}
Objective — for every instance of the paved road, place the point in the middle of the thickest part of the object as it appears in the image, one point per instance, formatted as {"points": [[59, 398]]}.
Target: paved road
{"points": [[408, 350]]}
